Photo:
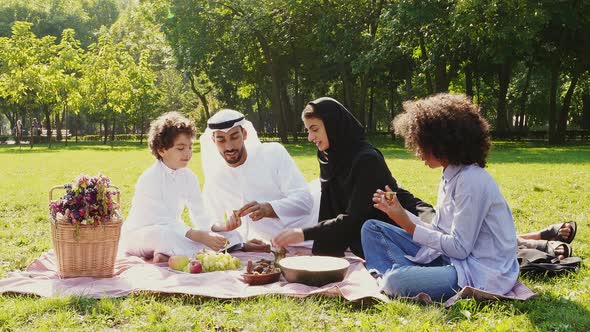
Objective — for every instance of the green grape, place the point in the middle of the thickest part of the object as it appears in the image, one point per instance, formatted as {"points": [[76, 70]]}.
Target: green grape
{"points": [[213, 261]]}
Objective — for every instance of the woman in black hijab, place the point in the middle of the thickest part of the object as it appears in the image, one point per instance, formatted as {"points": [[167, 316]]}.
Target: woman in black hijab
{"points": [[351, 170]]}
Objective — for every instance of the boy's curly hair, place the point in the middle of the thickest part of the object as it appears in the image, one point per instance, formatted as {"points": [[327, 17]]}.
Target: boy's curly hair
{"points": [[165, 129], [448, 126]]}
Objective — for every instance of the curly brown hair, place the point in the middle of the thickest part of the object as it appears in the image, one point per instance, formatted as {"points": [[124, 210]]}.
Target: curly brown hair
{"points": [[165, 129], [448, 126]]}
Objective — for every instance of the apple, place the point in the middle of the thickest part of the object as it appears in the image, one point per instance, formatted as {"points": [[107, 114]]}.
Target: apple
{"points": [[195, 266], [178, 263]]}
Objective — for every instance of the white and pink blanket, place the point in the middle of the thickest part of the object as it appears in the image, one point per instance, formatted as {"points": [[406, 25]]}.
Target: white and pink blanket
{"points": [[134, 275]]}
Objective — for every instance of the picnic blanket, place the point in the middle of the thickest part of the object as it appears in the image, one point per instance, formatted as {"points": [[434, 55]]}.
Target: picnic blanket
{"points": [[134, 275]]}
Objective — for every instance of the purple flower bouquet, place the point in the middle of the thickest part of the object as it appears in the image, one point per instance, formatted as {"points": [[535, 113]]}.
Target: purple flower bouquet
{"points": [[87, 201]]}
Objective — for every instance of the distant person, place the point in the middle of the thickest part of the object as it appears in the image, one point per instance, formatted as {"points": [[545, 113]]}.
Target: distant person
{"points": [[18, 131], [154, 228], [35, 127], [472, 240], [351, 170]]}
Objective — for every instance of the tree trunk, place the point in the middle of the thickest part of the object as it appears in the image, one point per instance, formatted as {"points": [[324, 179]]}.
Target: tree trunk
{"points": [[429, 86], [409, 88], [47, 123], [58, 124], [275, 100], [348, 87], [586, 111], [370, 120], [504, 80], [142, 129], [106, 131], [441, 83], [553, 102], [202, 96], [523, 98], [563, 114], [77, 127], [288, 115], [468, 81], [113, 128], [362, 105]]}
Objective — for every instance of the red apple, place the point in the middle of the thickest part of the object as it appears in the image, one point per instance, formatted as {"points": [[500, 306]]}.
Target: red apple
{"points": [[195, 266]]}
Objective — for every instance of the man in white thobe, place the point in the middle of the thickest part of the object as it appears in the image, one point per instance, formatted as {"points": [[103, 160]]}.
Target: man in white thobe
{"points": [[259, 182]]}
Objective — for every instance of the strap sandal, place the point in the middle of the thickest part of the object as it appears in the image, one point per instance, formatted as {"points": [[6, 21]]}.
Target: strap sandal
{"points": [[551, 233]]}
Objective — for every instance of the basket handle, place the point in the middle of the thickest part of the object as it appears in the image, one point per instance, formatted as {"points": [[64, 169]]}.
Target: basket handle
{"points": [[118, 193]]}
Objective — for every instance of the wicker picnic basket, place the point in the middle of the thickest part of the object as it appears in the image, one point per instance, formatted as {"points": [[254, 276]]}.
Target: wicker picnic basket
{"points": [[88, 250]]}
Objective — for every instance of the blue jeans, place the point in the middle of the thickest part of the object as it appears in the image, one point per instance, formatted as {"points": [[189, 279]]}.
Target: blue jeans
{"points": [[386, 245]]}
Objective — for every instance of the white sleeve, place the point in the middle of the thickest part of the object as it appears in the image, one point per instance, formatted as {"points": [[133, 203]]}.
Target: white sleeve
{"points": [[297, 199], [200, 219]]}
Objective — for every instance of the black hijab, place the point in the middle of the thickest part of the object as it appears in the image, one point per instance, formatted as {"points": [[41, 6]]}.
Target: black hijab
{"points": [[345, 134]]}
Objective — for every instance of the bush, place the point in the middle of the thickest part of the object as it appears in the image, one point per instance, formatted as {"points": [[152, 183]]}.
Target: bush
{"points": [[4, 138], [118, 137]]}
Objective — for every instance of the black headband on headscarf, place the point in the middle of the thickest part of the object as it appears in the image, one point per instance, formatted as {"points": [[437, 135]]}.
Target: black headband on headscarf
{"points": [[345, 133]]}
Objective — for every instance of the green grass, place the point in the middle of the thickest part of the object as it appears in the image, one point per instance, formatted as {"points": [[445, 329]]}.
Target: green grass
{"points": [[542, 184]]}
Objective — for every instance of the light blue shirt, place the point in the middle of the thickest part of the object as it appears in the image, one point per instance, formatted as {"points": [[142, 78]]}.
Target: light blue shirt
{"points": [[474, 228]]}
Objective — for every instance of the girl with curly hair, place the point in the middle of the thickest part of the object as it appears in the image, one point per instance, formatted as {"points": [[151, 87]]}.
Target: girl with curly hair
{"points": [[472, 239]]}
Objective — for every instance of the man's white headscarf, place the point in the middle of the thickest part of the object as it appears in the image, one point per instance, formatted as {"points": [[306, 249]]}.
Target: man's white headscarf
{"points": [[224, 120]]}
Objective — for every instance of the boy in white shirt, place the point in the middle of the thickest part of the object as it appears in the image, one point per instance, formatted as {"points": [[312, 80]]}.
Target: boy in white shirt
{"points": [[154, 227]]}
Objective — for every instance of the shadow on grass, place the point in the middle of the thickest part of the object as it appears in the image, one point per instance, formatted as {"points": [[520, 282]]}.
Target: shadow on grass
{"points": [[502, 151], [72, 146]]}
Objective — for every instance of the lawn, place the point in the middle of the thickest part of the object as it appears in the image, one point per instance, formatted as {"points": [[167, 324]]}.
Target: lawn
{"points": [[542, 184]]}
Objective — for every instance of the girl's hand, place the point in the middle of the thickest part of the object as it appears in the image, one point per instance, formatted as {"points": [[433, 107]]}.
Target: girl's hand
{"points": [[387, 202]]}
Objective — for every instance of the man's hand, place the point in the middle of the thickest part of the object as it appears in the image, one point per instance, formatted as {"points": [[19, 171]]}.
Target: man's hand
{"points": [[210, 239], [256, 245], [287, 237], [233, 222], [257, 211]]}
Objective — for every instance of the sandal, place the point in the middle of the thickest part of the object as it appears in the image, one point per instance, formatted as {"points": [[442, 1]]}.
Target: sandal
{"points": [[548, 247], [551, 233], [552, 245]]}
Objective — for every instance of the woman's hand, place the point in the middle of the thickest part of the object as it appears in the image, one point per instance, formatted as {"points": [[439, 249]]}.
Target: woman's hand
{"points": [[288, 237]]}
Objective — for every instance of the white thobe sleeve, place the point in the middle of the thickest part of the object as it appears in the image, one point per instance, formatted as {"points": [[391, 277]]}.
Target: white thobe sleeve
{"points": [[297, 199], [199, 217]]}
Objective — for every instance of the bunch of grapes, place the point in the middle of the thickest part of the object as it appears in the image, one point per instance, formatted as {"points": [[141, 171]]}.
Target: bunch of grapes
{"points": [[214, 261]]}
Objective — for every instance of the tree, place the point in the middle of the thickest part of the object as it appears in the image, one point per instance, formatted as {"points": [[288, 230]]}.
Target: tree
{"points": [[106, 84]]}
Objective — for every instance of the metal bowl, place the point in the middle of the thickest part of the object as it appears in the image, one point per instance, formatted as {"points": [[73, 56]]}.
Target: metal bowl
{"points": [[314, 270]]}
